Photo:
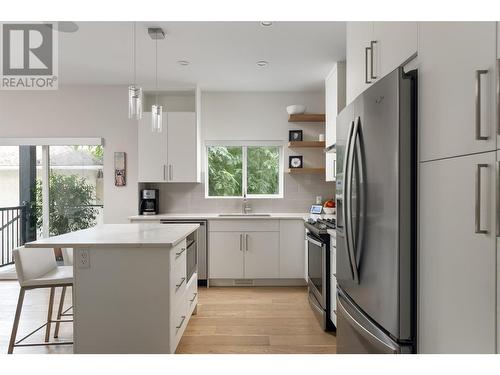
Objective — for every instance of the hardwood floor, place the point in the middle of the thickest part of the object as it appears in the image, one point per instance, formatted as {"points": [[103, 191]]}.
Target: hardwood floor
{"points": [[255, 320], [229, 320]]}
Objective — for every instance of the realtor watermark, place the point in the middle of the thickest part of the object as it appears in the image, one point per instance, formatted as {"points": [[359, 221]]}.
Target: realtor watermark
{"points": [[28, 56]]}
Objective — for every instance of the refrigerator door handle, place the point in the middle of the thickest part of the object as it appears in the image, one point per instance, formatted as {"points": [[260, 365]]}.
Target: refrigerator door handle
{"points": [[362, 193], [498, 199], [346, 194], [498, 96], [348, 204], [386, 343]]}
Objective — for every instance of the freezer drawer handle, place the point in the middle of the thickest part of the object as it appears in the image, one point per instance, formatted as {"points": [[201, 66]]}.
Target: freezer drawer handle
{"points": [[479, 137], [478, 200], [366, 333]]}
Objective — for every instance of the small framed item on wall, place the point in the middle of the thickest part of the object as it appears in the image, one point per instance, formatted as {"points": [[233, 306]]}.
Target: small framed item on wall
{"points": [[295, 135], [295, 161], [120, 169]]}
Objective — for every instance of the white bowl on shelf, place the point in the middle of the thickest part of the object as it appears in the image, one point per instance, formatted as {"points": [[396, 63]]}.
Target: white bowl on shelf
{"points": [[329, 210], [296, 109]]}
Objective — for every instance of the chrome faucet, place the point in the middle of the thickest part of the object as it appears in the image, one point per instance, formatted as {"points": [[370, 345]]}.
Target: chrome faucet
{"points": [[245, 207]]}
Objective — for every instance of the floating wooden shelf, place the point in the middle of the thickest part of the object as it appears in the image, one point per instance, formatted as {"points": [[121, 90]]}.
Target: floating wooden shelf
{"points": [[305, 170], [320, 144], [307, 117]]}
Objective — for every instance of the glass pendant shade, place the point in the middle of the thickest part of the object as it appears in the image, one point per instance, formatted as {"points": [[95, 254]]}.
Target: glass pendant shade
{"points": [[134, 102], [157, 118]]}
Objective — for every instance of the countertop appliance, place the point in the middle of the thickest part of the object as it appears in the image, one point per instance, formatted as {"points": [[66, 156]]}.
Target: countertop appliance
{"points": [[200, 249], [376, 195], [149, 202], [318, 269]]}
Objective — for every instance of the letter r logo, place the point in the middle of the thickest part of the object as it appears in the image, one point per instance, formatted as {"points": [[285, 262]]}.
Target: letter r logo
{"points": [[27, 49]]}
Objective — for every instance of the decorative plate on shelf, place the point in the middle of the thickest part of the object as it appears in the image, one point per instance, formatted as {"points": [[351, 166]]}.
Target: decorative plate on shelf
{"points": [[295, 161]]}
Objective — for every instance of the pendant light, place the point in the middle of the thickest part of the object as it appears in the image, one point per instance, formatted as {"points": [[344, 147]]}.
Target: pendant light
{"points": [[156, 109], [134, 91]]}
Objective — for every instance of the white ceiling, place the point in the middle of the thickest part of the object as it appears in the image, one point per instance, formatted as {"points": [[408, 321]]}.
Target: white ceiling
{"points": [[222, 55]]}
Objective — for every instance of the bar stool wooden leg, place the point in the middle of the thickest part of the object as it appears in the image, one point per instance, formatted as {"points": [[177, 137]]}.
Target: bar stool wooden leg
{"points": [[59, 312], [16, 321], [49, 314]]}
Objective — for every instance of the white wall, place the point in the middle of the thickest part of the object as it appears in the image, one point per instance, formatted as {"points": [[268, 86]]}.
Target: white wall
{"points": [[81, 111], [244, 116]]}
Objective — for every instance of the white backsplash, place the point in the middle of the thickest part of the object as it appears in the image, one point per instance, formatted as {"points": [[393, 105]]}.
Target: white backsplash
{"points": [[300, 193]]}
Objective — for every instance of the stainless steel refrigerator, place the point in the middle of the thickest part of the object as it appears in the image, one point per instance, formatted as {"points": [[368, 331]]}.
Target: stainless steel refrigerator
{"points": [[376, 194]]}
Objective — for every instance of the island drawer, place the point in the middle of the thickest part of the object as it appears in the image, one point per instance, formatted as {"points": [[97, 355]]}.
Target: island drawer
{"points": [[192, 293], [178, 322], [245, 225], [178, 254]]}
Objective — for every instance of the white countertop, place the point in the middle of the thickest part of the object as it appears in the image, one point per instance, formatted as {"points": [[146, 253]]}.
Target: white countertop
{"points": [[213, 216], [120, 235]]}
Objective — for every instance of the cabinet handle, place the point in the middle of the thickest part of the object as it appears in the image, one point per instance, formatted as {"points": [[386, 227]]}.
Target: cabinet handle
{"points": [[177, 286], [479, 137], [182, 321], [246, 242], [498, 96], [164, 172], [498, 199], [372, 44], [366, 65], [241, 242], [179, 253], [478, 200], [194, 297], [170, 172]]}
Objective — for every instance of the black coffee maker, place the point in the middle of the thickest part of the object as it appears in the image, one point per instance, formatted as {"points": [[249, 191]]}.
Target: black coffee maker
{"points": [[148, 202]]}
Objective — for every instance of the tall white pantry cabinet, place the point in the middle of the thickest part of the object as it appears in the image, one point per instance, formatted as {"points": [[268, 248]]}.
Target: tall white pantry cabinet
{"points": [[459, 187]]}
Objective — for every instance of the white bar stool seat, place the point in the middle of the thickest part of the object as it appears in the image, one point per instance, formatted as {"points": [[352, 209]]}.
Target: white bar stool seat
{"points": [[37, 268]]}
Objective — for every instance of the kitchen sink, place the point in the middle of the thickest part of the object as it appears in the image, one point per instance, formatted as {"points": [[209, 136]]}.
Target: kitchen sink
{"points": [[244, 215]]}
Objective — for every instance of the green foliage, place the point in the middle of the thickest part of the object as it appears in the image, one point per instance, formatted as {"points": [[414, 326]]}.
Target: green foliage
{"points": [[263, 166], [225, 171], [70, 204]]}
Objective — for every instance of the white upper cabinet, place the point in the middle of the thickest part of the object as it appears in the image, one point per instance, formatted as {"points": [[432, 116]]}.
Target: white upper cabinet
{"points": [[395, 43], [359, 36], [335, 84], [454, 59], [181, 147], [172, 155], [152, 152], [374, 49]]}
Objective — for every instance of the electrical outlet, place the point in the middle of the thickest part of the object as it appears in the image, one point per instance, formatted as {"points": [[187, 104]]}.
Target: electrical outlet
{"points": [[83, 258]]}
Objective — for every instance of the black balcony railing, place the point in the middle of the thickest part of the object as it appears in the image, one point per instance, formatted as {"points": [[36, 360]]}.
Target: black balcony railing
{"points": [[12, 231]]}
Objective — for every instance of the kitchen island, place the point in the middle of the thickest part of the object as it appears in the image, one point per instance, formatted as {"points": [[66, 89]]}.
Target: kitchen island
{"points": [[130, 291]]}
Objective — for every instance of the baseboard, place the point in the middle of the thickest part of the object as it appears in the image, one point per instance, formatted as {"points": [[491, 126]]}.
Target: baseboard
{"points": [[257, 282]]}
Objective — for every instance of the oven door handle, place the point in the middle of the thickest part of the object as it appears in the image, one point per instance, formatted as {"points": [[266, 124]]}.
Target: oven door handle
{"points": [[316, 242]]}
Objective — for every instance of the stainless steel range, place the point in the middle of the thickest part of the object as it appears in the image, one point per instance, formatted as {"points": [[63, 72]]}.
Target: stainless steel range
{"points": [[318, 269]]}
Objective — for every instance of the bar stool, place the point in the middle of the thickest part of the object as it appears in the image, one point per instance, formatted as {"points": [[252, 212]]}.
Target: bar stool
{"points": [[67, 254], [37, 268]]}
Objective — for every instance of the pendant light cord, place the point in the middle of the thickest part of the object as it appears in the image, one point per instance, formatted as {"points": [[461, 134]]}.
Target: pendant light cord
{"points": [[134, 53], [156, 66]]}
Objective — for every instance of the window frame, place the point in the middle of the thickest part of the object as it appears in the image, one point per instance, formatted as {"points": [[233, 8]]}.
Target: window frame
{"points": [[244, 145]]}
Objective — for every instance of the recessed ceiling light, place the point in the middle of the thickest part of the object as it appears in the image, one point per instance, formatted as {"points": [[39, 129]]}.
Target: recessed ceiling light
{"points": [[183, 62], [262, 63], [266, 23]]}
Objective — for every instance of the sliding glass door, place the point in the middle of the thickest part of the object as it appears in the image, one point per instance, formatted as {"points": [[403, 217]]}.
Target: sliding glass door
{"points": [[48, 189]]}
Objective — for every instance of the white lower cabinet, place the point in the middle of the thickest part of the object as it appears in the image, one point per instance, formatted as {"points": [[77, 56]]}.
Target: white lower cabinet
{"points": [[457, 255], [262, 255], [226, 255], [256, 249]]}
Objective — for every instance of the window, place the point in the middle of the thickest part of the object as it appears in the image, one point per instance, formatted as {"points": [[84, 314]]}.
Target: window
{"points": [[233, 170]]}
